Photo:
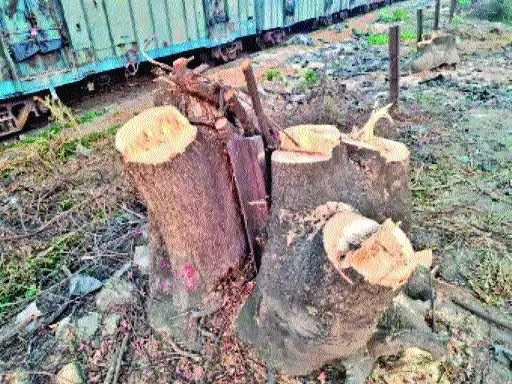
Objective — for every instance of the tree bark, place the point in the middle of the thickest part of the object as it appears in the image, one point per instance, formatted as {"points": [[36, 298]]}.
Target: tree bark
{"points": [[196, 229], [304, 311]]}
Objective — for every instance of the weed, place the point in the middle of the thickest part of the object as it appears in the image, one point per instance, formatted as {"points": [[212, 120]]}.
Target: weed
{"points": [[89, 116], [360, 32], [328, 105], [272, 74], [407, 35], [59, 113], [397, 15], [66, 150], [457, 19], [311, 77], [112, 130], [463, 3], [378, 39]]}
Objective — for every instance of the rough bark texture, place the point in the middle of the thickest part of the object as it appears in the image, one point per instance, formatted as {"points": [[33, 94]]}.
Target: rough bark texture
{"points": [[196, 230], [358, 174], [302, 312]]}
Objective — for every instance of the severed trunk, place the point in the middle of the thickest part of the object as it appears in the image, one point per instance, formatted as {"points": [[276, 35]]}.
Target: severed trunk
{"points": [[309, 305], [196, 230]]}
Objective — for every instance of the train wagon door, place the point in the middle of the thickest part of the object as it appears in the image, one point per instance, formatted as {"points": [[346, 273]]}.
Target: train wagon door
{"points": [[216, 15], [32, 34]]}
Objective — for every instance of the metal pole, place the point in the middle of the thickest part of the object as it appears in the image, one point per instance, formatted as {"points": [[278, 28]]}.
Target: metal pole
{"points": [[394, 39], [419, 29], [436, 17]]}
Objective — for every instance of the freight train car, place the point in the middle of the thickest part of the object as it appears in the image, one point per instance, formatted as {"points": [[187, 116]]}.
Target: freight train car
{"points": [[45, 44]]}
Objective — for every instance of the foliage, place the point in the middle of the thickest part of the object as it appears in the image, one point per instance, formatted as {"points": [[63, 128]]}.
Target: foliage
{"points": [[408, 35], [494, 10], [378, 39], [59, 113], [311, 77]]}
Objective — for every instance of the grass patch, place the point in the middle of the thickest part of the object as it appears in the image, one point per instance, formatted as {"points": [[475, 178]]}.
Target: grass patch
{"points": [[398, 15], [272, 74], [311, 77], [408, 35], [378, 39], [89, 116]]}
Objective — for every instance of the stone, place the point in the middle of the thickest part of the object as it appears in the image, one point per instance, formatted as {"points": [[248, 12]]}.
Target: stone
{"points": [[17, 378], [28, 317], [70, 374], [65, 331], [301, 39], [141, 258], [82, 151], [88, 325], [81, 285], [418, 287], [115, 292], [110, 324]]}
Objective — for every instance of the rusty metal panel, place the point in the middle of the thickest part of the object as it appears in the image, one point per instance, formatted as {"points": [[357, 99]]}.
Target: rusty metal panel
{"points": [[79, 33], [120, 20]]}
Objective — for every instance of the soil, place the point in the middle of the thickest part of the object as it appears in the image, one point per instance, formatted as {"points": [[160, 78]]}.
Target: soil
{"points": [[66, 210]]}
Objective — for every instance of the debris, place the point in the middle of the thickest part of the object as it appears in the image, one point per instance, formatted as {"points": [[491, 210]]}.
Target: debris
{"points": [[81, 285], [82, 151], [441, 50], [70, 374]]}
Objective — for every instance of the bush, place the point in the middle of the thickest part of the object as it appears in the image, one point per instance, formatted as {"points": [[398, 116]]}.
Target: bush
{"points": [[494, 10], [398, 15]]}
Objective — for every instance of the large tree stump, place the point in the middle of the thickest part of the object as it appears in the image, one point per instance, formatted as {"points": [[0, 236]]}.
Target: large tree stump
{"points": [[373, 176], [196, 230], [306, 309]]}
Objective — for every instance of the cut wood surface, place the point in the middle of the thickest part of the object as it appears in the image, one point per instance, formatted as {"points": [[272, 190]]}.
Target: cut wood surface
{"points": [[196, 229]]}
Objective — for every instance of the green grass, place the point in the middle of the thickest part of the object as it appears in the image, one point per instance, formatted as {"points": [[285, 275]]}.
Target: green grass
{"points": [[398, 15], [311, 77], [272, 74], [407, 35], [494, 10], [378, 39]]}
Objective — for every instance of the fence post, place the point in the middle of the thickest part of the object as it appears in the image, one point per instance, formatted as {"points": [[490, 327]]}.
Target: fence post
{"points": [[419, 29], [394, 39], [453, 4], [436, 16]]}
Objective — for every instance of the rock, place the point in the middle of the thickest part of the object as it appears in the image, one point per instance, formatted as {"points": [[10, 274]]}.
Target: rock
{"points": [[88, 325], [141, 258], [65, 331], [434, 53], [301, 39], [115, 292], [407, 314], [81, 285], [418, 287], [17, 378], [27, 318], [110, 324], [82, 151], [70, 374]]}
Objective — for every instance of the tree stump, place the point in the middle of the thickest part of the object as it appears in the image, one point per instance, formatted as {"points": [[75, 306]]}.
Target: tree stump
{"points": [[373, 176], [196, 230], [308, 308]]}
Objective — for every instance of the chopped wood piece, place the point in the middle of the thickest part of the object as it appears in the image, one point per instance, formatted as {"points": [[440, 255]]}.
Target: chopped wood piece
{"points": [[319, 139]]}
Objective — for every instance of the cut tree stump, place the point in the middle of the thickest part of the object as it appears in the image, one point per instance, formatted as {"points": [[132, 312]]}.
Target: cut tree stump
{"points": [[308, 307], [372, 176], [196, 228]]}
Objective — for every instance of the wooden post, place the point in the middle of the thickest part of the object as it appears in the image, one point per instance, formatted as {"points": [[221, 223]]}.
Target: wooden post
{"points": [[419, 29], [453, 4], [436, 16], [394, 39]]}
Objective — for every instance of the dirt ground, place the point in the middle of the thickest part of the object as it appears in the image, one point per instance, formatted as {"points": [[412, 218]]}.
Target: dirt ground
{"points": [[67, 209]]}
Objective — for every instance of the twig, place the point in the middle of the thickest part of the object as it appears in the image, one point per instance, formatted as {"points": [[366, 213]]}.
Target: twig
{"points": [[182, 352], [120, 357], [151, 60], [480, 313], [433, 302]]}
